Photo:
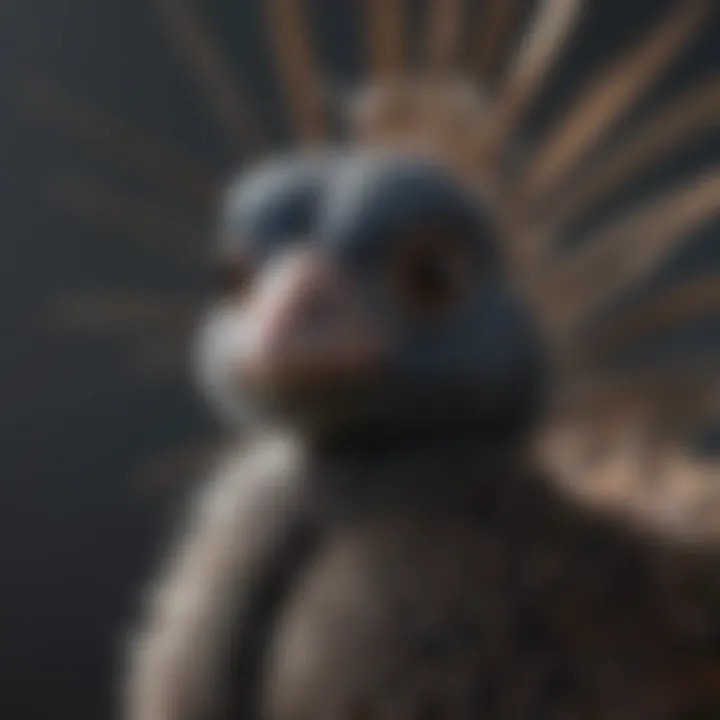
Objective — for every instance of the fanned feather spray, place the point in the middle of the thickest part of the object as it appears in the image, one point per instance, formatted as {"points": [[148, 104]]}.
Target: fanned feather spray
{"points": [[612, 433]]}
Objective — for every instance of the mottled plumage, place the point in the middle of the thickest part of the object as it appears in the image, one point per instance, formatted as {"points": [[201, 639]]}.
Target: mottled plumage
{"points": [[463, 511], [460, 592], [510, 603], [395, 549]]}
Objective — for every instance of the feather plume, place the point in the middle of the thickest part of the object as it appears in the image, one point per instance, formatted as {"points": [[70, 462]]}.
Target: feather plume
{"points": [[608, 98], [626, 250], [203, 53], [444, 34], [288, 23], [137, 313], [671, 127], [127, 147], [538, 53], [156, 226], [680, 304], [386, 38], [497, 22]]}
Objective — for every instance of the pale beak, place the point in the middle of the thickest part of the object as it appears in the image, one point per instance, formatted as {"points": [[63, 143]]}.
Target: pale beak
{"points": [[305, 327]]}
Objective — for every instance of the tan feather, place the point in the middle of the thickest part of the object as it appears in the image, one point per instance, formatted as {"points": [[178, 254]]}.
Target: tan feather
{"points": [[212, 69], [142, 154], [627, 250], [603, 392], [386, 37], [544, 41], [652, 407], [444, 34], [497, 22], [647, 409], [156, 226], [682, 303], [662, 488], [679, 122], [137, 313], [606, 99], [615, 462], [288, 25]]}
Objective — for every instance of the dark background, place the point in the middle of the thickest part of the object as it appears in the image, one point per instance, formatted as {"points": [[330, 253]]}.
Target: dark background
{"points": [[77, 534]]}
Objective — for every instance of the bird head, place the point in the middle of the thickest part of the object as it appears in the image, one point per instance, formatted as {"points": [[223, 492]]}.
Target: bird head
{"points": [[362, 295]]}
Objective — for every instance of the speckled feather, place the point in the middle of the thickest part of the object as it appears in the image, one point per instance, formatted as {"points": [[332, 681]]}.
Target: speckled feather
{"points": [[454, 586], [477, 594], [493, 597]]}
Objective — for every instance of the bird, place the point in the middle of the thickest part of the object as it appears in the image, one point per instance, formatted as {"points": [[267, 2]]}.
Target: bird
{"points": [[387, 542], [463, 83], [325, 569]]}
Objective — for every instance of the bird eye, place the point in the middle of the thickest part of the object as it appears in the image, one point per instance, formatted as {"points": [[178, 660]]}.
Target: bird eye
{"points": [[231, 277], [434, 270]]}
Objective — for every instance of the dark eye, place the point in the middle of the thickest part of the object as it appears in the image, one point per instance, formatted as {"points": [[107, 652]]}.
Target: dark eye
{"points": [[232, 276], [434, 270]]}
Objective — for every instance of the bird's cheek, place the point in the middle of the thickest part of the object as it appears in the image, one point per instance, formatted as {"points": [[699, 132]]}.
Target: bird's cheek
{"points": [[221, 340]]}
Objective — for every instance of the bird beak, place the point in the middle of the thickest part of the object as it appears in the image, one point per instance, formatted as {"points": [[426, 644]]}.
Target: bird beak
{"points": [[305, 327]]}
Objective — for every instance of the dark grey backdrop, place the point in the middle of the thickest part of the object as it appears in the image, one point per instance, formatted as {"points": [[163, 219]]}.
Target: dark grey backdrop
{"points": [[76, 536]]}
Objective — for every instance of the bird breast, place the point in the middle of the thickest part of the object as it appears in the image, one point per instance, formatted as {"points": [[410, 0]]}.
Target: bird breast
{"points": [[411, 615]]}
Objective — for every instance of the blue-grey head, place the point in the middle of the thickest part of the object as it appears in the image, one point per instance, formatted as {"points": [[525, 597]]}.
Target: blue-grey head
{"points": [[363, 297]]}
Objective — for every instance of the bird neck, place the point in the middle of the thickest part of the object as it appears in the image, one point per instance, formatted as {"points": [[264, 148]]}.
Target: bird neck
{"points": [[461, 465], [421, 436]]}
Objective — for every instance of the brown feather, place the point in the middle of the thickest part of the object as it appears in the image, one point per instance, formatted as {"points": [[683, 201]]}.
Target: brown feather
{"points": [[497, 22], [627, 250], [606, 99], [444, 28], [138, 313], [435, 117], [386, 37], [212, 69], [288, 25], [682, 303], [656, 487], [621, 441], [600, 392], [537, 55], [650, 407], [676, 124], [142, 154], [156, 226]]}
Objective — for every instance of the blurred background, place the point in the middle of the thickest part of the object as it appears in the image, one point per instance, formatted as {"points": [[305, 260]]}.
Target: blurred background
{"points": [[119, 119]]}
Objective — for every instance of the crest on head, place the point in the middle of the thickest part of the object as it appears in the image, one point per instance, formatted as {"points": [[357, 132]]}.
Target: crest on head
{"points": [[442, 118]]}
